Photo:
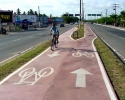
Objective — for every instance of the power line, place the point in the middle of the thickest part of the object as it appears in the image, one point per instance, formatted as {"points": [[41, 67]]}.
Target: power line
{"points": [[115, 6]]}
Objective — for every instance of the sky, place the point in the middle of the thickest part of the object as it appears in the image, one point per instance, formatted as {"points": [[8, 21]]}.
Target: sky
{"points": [[59, 7]]}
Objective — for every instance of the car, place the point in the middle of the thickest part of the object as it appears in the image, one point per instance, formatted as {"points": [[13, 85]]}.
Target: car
{"points": [[76, 23], [71, 23], [62, 25]]}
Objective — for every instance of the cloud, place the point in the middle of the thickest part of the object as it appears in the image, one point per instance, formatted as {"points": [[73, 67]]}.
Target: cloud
{"points": [[59, 7]]}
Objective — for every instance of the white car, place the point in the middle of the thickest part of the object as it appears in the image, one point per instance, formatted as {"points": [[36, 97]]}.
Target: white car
{"points": [[76, 23]]}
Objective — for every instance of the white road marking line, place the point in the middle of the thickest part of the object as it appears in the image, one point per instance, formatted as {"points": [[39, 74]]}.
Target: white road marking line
{"points": [[122, 38], [8, 59], [16, 40], [104, 75]]}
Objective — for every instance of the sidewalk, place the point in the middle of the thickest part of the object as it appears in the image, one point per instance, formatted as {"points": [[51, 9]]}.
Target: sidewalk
{"points": [[72, 72]]}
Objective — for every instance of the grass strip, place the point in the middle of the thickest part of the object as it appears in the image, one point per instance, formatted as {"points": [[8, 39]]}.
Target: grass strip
{"points": [[80, 31], [114, 67], [10, 67]]}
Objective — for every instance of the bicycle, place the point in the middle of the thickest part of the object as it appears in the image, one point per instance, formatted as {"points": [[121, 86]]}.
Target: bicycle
{"points": [[54, 42]]}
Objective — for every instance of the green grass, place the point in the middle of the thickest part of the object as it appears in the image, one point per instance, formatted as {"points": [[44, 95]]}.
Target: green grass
{"points": [[80, 32], [17, 28], [114, 67], [10, 67]]}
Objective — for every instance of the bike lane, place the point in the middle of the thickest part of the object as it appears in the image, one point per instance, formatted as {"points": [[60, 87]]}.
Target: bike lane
{"points": [[71, 72], [82, 76]]}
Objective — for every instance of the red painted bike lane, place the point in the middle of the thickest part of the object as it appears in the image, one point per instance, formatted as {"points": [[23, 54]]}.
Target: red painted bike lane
{"points": [[71, 72]]}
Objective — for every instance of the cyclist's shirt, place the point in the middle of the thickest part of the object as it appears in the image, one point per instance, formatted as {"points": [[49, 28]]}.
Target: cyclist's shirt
{"points": [[54, 30]]}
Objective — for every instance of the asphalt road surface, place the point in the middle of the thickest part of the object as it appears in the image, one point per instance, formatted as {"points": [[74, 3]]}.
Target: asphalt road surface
{"points": [[16, 42], [115, 38]]}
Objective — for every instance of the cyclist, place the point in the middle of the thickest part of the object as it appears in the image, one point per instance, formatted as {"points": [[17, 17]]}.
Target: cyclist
{"points": [[54, 32]]}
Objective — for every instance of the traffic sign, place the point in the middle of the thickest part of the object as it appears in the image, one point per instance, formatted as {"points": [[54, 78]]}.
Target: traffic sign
{"points": [[93, 14], [70, 14], [77, 14], [65, 14], [89, 14]]}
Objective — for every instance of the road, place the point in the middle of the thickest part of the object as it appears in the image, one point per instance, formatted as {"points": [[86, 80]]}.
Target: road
{"points": [[16, 42], [115, 38]]}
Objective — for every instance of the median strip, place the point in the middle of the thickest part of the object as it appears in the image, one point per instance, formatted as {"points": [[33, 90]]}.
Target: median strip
{"points": [[113, 66]]}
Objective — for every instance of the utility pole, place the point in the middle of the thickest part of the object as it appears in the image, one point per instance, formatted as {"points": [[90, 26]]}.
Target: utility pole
{"points": [[101, 14], [106, 17], [83, 11], [80, 11], [39, 15], [115, 5]]}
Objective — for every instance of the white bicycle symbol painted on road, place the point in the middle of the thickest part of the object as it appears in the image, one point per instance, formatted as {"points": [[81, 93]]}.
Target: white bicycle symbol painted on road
{"points": [[29, 73], [79, 54]]}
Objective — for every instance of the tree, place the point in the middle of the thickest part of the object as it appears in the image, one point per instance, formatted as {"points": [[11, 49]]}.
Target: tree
{"points": [[45, 15], [36, 13], [15, 13], [24, 13], [18, 11], [31, 12], [42, 15], [122, 19]]}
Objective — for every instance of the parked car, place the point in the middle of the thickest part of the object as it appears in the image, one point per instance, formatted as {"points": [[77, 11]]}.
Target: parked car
{"points": [[62, 25]]}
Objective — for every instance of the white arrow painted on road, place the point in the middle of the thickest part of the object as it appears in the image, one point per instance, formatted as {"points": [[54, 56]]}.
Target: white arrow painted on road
{"points": [[81, 79], [54, 54]]}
